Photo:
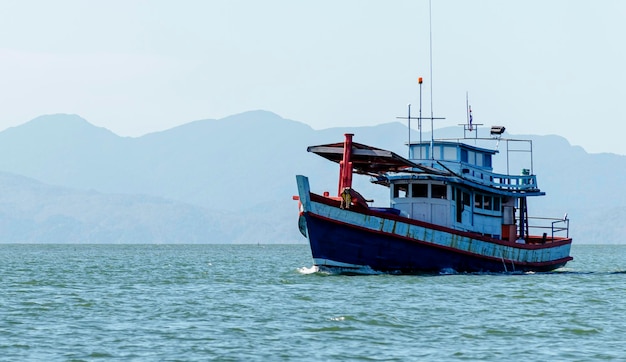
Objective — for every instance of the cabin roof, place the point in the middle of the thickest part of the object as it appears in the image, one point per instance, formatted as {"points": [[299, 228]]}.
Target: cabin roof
{"points": [[365, 159], [456, 143]]}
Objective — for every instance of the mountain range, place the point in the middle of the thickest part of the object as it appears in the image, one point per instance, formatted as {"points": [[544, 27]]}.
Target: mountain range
{"points": [[231, 180]]}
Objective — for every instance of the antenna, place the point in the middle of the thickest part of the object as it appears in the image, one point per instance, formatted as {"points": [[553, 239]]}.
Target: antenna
{"points": [[467, 107], [419, 119], [432, 116], [420, 80], [409, 118], [469, 125], [430, 26]]}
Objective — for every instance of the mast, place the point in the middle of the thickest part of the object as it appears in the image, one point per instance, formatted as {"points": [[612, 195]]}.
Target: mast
{"points": [[432, 128], [419, 119], [432, 117], [409, 118], [345, 166]]}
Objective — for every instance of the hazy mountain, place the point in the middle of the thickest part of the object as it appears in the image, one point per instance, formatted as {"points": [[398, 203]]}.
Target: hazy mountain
{"points": [[231, 180]]}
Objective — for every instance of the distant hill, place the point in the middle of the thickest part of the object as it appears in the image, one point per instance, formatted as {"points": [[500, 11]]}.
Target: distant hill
{"points": [[231, 180], [33, 212]]}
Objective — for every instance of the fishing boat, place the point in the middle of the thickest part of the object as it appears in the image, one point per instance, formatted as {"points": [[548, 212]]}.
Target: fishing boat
{"points": [[448, 210]]}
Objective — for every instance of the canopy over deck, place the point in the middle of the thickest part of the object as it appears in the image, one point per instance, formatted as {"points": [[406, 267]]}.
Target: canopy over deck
{"points": [[366, 159]]}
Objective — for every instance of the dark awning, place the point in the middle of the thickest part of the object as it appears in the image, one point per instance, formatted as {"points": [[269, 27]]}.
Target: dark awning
{"points": [[365, 159]]}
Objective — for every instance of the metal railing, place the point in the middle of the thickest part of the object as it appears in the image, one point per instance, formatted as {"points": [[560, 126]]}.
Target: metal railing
{"points": [[492, 179], [542, 224]]}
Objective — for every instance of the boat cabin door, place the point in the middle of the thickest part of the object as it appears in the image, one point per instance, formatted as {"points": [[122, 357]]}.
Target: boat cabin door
{"points": [[463, 207]]}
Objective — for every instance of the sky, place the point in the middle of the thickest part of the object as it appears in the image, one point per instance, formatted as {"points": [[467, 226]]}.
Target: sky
{"points": [[139, 66]]}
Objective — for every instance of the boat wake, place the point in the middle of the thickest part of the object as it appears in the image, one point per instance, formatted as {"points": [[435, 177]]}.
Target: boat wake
{"points": [[448, 271], [327, 270], [304, 270]]}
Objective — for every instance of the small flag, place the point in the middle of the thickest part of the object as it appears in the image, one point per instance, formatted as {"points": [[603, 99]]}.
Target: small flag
{"points": [[470, 118]]}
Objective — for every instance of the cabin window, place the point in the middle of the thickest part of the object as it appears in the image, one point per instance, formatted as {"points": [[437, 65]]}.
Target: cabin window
{"points": [[487, 202], [399, 190], [466, 199], [496, 204], [439, 191], [479, 159], [478, 201], [419, 190], [449, 153], [471, 157], [437, 152], [487, 160], [464, 157], [419, 152]]}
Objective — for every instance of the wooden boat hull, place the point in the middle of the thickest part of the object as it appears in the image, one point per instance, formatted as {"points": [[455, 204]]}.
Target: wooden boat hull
{"points": [[365, 240]]}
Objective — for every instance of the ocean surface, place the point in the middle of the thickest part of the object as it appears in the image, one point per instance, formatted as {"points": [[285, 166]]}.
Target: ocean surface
{"points": [[266, 303]]}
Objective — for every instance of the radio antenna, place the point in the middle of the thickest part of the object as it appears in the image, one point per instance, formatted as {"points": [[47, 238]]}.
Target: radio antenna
{"points": [[432, 117]]}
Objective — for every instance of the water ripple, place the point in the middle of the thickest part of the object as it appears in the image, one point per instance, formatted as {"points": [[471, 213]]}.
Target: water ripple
{"points": [[234, 303]]}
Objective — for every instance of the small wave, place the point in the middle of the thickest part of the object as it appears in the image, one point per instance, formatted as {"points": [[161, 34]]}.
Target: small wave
{"points": [[311, 270], [447, 271], [450, 271], [365, 270], [583, 272]]}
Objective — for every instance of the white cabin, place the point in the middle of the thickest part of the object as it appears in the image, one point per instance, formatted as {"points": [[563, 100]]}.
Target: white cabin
{"points": [[467, 195]]}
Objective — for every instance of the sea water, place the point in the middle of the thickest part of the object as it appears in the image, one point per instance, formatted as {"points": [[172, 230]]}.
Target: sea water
{"points": [[266, 302]]}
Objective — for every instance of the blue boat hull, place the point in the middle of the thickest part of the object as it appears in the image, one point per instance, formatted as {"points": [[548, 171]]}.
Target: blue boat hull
{"points": [[345, 248], [368, 239]]}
